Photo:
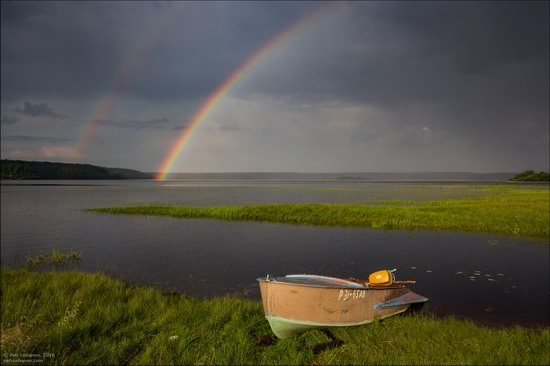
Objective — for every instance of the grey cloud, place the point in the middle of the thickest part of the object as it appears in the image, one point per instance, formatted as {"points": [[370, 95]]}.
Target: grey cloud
{"points": [[25, 138], [228, 128], [155, 123], [9, 120], [231, 128], [417, 137], [38, 110], [410, 137], [364, 135]]}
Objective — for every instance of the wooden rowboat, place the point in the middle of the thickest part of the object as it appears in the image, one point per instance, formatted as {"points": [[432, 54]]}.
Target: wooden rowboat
{"points": [[297, 303]]}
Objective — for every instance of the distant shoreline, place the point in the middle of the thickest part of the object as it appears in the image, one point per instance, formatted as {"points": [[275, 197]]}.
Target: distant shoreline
{"points": [[13, 170], [43, 170]]}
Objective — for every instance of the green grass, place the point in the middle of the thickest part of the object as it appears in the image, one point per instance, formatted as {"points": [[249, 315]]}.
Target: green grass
{"points": [[55, 258], [91, 319], [520, 211]]}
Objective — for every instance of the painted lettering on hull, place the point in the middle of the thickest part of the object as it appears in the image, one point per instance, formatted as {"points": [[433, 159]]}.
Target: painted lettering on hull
{"points": [[345, 295]]}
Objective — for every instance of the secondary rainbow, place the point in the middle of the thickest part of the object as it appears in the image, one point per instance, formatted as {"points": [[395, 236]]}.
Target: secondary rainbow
{"points": [[105, 101], [238, 74]]}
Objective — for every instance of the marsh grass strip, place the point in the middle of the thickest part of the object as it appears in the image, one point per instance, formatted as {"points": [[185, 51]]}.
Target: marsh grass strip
{"points": [[514, 212]]}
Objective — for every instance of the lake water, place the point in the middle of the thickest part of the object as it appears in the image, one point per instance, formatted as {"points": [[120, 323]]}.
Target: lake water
{"points": [[510, 283]]}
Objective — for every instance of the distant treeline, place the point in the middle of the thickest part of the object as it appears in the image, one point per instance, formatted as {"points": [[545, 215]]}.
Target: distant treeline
{"points": [[20, 169], [532, 176]]}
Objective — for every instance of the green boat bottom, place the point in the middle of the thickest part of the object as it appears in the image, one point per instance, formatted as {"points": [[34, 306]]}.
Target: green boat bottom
{"points": [[286, 328]]}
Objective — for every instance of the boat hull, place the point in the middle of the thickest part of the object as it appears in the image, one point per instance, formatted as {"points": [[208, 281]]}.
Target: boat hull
{"points": [[292, 308]]}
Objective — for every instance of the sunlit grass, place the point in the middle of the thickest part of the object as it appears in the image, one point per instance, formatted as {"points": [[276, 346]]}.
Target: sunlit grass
{"points": [[91, 319], [509, 211]]}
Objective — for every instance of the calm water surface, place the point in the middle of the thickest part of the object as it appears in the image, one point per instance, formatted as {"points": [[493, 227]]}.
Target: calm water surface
{"points": [[489, 278]]}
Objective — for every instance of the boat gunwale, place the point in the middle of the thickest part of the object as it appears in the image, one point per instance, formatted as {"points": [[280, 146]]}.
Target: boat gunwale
{"points": [[358, 286]]}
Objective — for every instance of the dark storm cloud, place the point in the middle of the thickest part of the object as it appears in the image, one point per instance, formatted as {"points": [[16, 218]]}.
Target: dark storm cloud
{"points": [[176, 50], [9, 120], [191, 62], [155, 123], [475, 72], [477, 37], [384, 53], [20, 11], [401, 52], [50, 49], [38, 110]]}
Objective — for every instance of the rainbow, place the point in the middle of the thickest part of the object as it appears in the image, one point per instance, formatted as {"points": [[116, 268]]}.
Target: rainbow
{"points": [[105, 101], [234, 77]]}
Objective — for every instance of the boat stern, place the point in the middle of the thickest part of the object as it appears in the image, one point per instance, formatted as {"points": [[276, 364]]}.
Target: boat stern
{"points": [[407, 299]]}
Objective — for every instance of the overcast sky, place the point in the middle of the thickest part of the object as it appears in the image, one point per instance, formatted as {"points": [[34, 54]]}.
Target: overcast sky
{"points": [[370, 86]]}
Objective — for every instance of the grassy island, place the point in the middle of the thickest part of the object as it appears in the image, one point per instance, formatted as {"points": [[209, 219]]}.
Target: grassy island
{"points": [[515, 211], [531, 176], [77, 318]]}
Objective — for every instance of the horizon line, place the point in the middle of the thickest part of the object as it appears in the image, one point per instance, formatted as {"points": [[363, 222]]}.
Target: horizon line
{"points": [[342, 172]]}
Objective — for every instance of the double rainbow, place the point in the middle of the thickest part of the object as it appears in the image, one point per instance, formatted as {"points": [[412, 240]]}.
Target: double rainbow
{"points": [[237, 75]]}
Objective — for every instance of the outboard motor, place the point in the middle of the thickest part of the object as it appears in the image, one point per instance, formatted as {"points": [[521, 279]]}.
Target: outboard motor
{"points": [[383, 277]]}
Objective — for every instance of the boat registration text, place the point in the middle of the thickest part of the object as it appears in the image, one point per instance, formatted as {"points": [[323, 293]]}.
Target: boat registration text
{"points": [[351, 294]]}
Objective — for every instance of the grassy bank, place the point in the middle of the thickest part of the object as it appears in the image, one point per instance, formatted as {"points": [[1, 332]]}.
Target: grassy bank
{"points": [[508, 211], [77, 318]]}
